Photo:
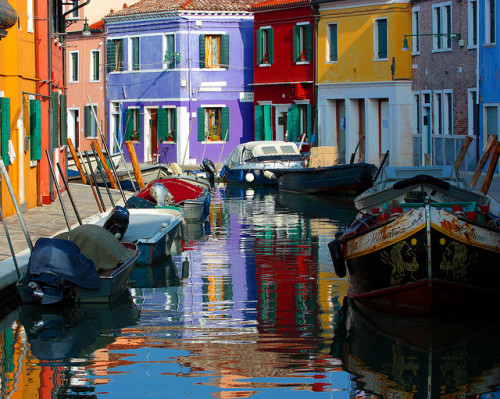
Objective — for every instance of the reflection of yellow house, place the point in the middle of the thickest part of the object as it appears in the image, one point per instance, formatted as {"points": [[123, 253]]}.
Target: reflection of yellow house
{"points": [[364, 79], [17, 83]]}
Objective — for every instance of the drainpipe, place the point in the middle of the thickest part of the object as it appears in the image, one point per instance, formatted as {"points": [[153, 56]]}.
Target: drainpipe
{"points": [[478, 94], [50, 83], [315, 81]]}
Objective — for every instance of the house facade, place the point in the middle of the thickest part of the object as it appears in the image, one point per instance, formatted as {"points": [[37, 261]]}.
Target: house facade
{"points": [[178, 79], [489, 61], [284, 82], [444, 46], [364, 84]]}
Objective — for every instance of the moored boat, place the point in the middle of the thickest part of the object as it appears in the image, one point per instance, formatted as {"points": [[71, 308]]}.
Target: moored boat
{"points": [[413, 253]]}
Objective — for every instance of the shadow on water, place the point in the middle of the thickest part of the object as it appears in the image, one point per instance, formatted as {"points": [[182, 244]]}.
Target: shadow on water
{"points": [[418, 357]]}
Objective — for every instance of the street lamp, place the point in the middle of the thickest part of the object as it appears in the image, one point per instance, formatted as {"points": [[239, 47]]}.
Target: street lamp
{"points": [[453, 36]]}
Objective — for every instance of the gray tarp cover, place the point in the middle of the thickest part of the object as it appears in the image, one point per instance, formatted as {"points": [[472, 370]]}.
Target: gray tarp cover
{"points": [[99, 245]]}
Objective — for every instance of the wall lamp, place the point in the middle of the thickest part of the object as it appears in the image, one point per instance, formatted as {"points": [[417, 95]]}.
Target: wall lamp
{"points": [[86, 30], [452, 36]]}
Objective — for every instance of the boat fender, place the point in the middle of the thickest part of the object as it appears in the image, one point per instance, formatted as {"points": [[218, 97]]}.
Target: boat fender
{"points": [[337, 258], [222, 172], [270, 175], [249, 177]]}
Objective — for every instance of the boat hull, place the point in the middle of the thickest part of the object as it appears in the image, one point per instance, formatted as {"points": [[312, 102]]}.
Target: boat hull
{"points": [[423, 261], [348, 179]]}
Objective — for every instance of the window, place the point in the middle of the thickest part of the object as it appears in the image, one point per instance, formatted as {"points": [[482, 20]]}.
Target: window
{"points": [[213, 124], [417, 115], [332, 43], [72, 6], [170, 55], [90, 129], [381, 39], [265, 46], [415, 30], [472, 24], [441, 25], [73, 66], [132, 124], [29, 12], [55, 119], [167, 124], [472, 112], [35, 129], [438, 113], [5, 129], [134, 60], [447, 112], [302, 42], [94, 66], [114, 58], [491, 120], [490, 29], [263, 122], [299, 122], [214, 51]]}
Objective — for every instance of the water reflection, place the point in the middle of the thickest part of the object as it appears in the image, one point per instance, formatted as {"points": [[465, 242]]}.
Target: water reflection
{"points": [[418, 357]]}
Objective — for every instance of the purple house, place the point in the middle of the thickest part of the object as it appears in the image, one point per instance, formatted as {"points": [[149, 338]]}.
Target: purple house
{"points": [[179, 78]]}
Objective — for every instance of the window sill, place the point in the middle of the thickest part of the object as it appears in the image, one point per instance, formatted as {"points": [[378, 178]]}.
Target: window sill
{"points": [[302, 62], [380, 59], [213, 142], [441, 50], [265, 65], [332, 62], [486, 45], [73, 81], [94, 81]]}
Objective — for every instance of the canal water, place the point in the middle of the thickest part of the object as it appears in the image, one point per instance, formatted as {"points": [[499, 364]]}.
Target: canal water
{"points": [[247, 306]]}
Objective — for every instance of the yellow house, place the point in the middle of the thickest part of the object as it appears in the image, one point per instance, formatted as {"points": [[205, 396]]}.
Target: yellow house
{"points": [[364, 79], [17, 88]]}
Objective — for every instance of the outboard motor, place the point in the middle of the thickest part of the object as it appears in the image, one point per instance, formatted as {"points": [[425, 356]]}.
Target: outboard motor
{"points": [[117, 221], [209, 167], [161, 195]]}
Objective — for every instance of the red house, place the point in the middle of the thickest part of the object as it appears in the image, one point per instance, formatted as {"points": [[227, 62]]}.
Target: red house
{"points": [[284, 70]]}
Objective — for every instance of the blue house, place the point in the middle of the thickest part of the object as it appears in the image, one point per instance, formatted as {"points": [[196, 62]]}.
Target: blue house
{"points": [[179, 78], [489, 64]]}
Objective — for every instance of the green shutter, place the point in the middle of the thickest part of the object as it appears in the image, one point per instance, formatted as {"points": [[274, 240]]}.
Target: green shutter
{"points": [[129, 125], [382, 38], [170, 51], [309, 43], [64, 119], [333, 42], [87, 120], [309, 121], [35, 130], [110, 59], [224, 126], [293, 122], [202, 51], [201, 124], [259, 47], [162, 124], [296, 42], [270, 45], [224, 55], [268, 123], [259, 122], [135, 54], [55, 119], [121, 63], [5, 127], [174, 123]]}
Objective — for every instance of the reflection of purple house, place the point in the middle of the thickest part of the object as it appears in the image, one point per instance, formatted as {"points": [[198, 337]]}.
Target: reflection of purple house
{"points": [[179, 77]]}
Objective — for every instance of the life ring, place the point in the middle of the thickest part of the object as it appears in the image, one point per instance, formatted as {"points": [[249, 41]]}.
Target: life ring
{"points": [[337, 258]]}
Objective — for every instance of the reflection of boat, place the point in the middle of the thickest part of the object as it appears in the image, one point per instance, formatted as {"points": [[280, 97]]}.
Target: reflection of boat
{"points": [[343, 179], [193, 200], [162, 273], [87, 264], [59, 333], [261, 162], [427, 246], [418, 357], [152, 229]]}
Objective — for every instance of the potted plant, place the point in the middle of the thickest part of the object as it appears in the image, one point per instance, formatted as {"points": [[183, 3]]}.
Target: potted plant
{"points": [[170, 137], [213, 134], [135, 135], [303, 55], [265, 59]]}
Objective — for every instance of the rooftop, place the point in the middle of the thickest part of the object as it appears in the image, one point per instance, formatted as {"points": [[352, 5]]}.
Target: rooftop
{"points": [[278, 3]]}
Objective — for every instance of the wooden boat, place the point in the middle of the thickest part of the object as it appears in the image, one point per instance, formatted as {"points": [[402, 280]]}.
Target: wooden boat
{"points": [[149, 173], [415, 253], [261, 162], [87, 264], [193, 200], [390, 356], [343, 179], [73, 172], [153, 230]]}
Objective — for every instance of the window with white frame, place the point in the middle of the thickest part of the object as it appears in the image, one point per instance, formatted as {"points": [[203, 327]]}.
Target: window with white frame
{"points": [[381, 37], [302, 39], [447, 112], [415, 30], [94, 65], [73, 66], [332, 43], [490, 21], [29, 12], [169, 59], [265, 45], [438, 112], [417, 118], [472, 30], [441, 27], [134, 61]]}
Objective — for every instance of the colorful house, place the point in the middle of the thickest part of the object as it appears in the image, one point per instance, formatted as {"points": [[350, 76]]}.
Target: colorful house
{"points": [[17, 90], [284, 86], [364, 87], [489, 61], [178, 78], [443, 44]]}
